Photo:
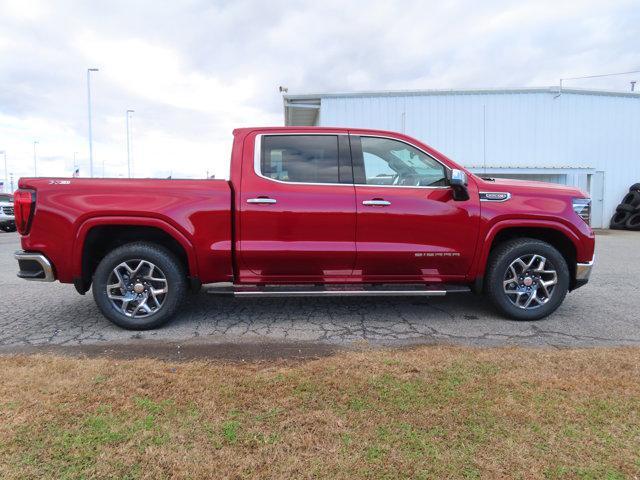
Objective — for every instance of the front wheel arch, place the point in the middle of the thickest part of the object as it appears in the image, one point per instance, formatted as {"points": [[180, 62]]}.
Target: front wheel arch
{"points": [[556, 238]]}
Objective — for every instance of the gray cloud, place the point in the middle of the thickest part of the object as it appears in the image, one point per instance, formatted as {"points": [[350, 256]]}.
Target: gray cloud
{"points": [[193, 70]]}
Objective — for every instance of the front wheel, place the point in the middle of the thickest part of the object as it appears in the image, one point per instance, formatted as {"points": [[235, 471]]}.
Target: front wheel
{"points": [[527, 279], [139, 286]]}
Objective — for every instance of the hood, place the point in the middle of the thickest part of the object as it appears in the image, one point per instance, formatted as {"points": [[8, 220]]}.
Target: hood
{"points": [[513, 186]]}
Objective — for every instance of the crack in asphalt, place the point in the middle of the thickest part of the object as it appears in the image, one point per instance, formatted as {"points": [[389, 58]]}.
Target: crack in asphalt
{"points": [[602, 313]]}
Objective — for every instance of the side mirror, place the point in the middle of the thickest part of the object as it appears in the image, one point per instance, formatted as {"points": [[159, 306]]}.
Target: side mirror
{"points": [[458, 178], [458, 181]]}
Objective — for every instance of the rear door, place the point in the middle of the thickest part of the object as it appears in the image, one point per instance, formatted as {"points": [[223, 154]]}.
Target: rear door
{"points": [[298, 213], [409, 226]]}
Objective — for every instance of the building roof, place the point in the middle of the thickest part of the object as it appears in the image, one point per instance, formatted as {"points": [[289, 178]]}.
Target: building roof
{"points": [[303, 109], [473, 91]]}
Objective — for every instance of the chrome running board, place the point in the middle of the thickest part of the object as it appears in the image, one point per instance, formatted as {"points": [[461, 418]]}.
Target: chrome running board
{"points": [[336, 290]]}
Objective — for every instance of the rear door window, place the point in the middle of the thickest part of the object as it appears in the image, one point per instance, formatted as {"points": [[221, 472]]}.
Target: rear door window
{"points": [[300, 158]]}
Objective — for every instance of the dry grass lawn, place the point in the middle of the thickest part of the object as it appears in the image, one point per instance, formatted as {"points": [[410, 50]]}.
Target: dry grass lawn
{"points": [[431, 412]]}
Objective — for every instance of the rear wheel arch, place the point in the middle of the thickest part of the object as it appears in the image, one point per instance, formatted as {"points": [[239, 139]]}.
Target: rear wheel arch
{"points": [[96, 239]]}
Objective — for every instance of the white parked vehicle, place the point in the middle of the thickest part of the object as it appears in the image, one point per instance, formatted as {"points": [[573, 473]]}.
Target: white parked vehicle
{"points": [[7, 220]]}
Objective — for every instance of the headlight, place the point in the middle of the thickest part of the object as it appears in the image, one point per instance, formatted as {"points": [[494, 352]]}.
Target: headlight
{"points": [[582, 206]]}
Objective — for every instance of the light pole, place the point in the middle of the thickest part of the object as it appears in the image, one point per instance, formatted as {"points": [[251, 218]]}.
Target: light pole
{"points": [[128, 113], [89, 70], [35, 159], [6, 172]]}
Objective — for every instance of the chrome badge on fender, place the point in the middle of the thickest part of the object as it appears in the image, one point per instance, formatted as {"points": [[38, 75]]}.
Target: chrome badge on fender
{"points": [[494, 196]]}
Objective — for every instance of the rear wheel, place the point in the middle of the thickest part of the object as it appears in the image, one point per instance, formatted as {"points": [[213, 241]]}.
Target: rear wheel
{"points": [[527, 279], [139, 286]]}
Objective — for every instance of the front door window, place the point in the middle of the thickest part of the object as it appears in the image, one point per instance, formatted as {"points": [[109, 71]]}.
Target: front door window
{"points": [[390, 162]]}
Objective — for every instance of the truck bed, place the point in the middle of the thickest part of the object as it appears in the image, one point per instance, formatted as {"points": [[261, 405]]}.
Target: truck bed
{"points": [[197, 211]]}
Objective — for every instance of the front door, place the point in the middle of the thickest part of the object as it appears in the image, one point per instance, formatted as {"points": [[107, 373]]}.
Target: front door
{"points": [[409, 226], [298, 214]]}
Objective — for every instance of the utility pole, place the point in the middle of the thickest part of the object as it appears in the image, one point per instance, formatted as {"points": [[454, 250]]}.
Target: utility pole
{"points": [[128, 113], [35, 159], [89, 70]]}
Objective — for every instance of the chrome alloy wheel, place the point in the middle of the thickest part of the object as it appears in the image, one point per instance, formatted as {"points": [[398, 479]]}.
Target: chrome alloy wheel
{"points": [[529, 281], [137, 288]]}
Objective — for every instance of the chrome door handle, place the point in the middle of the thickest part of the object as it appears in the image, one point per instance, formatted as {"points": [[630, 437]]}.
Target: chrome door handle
{"points": [[376, 203], [264, 200]]}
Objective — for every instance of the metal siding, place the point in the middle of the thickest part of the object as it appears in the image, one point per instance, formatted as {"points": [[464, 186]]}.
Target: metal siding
{"points": [[523, 129], [537, 177]]}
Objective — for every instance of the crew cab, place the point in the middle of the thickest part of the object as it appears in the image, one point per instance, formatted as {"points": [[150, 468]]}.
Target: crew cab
{"points": [[308, 212]]}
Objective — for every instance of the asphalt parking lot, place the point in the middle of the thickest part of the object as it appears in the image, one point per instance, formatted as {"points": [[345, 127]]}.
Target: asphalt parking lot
{"points": [[604, 313]]}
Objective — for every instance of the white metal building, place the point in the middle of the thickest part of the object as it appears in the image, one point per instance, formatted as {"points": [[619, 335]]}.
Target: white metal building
{"points": [[586, 138]]}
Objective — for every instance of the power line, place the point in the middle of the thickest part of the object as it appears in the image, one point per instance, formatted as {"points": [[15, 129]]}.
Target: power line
{"points": [[592, 76], [597, 76]]}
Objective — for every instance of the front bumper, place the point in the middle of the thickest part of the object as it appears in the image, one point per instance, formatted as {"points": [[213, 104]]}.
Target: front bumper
{"points": [[34, 266], [583, 272]]}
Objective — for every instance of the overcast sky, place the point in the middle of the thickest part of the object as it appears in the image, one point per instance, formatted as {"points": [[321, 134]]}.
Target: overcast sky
{"points": [[194, 70]]}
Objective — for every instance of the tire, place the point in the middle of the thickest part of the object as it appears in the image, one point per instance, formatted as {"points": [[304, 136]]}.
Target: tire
{"points": [[499, 271], [619, 220], [635, 187], [625, 207], [632, 198], [167, 273], [633, 222]]}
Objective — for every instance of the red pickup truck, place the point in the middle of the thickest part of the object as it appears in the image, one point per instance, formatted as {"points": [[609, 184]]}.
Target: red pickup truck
{"points": [[308, 212]]}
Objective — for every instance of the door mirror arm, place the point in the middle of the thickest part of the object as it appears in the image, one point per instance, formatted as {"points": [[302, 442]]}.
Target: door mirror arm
{"points": [[458, 182]]}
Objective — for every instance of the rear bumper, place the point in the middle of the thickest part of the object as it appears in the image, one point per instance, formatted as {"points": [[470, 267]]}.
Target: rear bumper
{"points": [[583, 272], [34, 266]]}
